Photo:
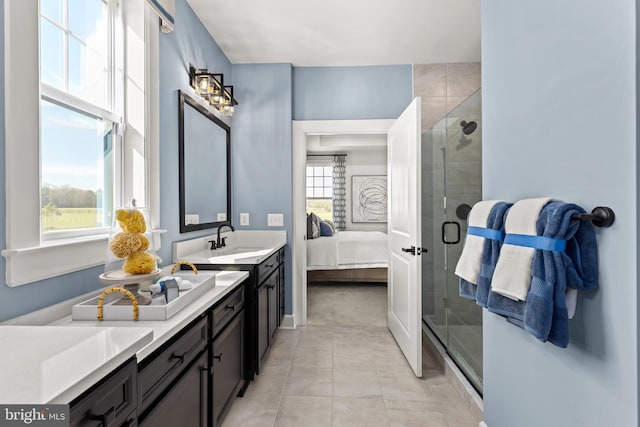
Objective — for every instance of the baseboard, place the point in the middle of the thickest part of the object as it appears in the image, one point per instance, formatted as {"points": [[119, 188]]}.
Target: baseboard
{"points": [[453, 373], [288, 322]]}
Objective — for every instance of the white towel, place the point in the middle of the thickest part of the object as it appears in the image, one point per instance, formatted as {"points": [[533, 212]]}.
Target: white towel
{"points": [[470, 261], [512, 276]]}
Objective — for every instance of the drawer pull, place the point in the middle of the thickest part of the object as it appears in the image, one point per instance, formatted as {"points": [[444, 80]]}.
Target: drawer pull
{"points": [[108, 418], [270, 286], [233, 307], [218, 357], [179, 356], [269, 265]]}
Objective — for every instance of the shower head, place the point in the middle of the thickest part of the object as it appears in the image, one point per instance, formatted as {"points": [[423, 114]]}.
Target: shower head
{"points": [[468, 128]]}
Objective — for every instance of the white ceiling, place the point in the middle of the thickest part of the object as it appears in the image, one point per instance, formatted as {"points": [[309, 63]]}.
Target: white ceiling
{"points": [[344, 32]]}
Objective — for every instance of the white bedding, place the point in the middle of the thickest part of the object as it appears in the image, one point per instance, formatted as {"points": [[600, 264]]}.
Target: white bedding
{"points": [[348, 249]]}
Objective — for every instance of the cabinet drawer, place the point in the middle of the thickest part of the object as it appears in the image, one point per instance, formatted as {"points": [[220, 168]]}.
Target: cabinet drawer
{"points": [[267, 267], [224, 311], [111, 402], [185, 404], [168, 362]]}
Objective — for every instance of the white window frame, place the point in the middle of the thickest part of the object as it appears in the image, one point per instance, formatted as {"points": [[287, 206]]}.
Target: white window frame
{"points": [[321, 162], [28, 257]]}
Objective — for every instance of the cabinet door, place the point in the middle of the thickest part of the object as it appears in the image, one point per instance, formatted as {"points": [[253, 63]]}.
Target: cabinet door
{"points": [[281, 289], [274, 306], [263, 323], [111, 402], [227, 359], [184, 404]]}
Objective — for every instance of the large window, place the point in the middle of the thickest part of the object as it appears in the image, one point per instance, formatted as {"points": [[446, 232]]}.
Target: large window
{"points": [[78, 49], [320, 190], [71, 154]]}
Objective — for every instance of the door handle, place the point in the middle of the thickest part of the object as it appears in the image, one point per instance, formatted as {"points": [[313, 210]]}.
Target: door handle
{"points": [[444, 232], [411, 250]]}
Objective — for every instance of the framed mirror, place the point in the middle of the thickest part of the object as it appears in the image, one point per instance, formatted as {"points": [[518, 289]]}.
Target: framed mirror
{"points": [[205, 167]]}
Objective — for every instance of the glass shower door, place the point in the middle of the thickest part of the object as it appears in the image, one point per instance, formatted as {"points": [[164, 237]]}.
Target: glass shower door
{"points": [[451, 184], [463, 188], [433, 263]]}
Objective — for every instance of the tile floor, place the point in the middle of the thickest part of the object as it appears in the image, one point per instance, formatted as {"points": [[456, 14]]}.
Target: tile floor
{"points": [[346, 370]]}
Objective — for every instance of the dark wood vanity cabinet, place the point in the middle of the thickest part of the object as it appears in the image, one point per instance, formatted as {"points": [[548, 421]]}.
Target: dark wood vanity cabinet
{"points": [[173, 381], [192, 380], [112, 401], [268, 304], [264, 307]]}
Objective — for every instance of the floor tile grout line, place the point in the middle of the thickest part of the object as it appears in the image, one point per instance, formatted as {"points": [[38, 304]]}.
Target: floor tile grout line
{"points": [[284, 384]]}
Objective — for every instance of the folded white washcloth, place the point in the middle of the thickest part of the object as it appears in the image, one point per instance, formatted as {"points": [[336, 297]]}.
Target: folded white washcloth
{"points": [[470, 261], [512, 276]]}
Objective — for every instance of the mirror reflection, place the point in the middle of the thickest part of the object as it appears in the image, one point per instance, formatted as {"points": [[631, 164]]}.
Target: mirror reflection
{"points": [[205, 200]]}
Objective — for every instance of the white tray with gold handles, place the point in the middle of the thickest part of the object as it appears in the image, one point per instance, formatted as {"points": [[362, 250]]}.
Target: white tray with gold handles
{"points": [[159, 309]]}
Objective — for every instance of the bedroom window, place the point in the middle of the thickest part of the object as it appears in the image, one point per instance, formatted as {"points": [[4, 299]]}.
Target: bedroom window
{"points": [[320, 190]]}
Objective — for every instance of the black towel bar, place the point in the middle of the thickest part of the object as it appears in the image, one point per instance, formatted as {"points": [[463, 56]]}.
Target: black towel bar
{"points": [[601, 216]]}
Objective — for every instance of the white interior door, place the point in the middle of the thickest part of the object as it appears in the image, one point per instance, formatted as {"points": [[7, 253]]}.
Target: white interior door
{"points": [[404, 292]]}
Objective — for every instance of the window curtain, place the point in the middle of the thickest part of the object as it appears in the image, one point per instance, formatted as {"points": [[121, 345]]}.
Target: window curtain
{"points": [[166, 9], [339, 192]]}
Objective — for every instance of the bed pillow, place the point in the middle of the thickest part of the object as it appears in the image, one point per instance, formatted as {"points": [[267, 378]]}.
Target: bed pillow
{"points": [[332, 225], [313, 226], [326, 229], [309, 226], [316, 225]]}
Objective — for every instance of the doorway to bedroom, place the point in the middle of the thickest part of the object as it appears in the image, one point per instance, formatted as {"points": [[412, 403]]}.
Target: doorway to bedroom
{"points": [[346, 202]]}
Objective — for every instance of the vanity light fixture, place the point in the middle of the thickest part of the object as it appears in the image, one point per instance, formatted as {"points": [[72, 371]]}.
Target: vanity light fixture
{"points": [[211, 88]]}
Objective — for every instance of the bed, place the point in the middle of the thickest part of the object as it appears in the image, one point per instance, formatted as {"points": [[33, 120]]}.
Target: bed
{"points": [[354, 256]]}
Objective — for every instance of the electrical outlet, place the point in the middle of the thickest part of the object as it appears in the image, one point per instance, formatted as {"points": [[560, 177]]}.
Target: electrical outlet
{"points": [[275, 220], [244, 219], [222, 216], [191, 219]]}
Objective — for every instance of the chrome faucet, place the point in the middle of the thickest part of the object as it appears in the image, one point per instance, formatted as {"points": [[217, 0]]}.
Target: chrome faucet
{"points": [[220, 243]]}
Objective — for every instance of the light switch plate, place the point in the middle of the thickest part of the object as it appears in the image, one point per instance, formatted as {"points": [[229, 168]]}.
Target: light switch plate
{"points": [[222, 216], [244, 218], [275, 220]]}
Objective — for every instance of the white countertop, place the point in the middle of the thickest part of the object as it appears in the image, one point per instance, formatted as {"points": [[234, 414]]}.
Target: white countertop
{"points": [[55, 358], [243, 247], [163, 330], [54, 364]]}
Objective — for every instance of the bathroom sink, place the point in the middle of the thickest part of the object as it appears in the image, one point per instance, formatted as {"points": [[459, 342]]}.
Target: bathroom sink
{"points": [[242, 247]]}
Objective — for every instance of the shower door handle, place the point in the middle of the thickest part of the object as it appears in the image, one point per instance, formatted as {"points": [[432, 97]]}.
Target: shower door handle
{"points": [[444, 232]]}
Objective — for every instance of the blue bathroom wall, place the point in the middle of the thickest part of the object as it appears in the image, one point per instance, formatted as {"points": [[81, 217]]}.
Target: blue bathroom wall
{"points": [[261, 150], [351, 93], [559, 119], [190, 43]]}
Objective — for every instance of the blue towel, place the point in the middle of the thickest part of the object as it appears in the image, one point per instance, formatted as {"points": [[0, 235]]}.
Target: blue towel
{"points": [[467, 289], [490, 252], [545, 314]]}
